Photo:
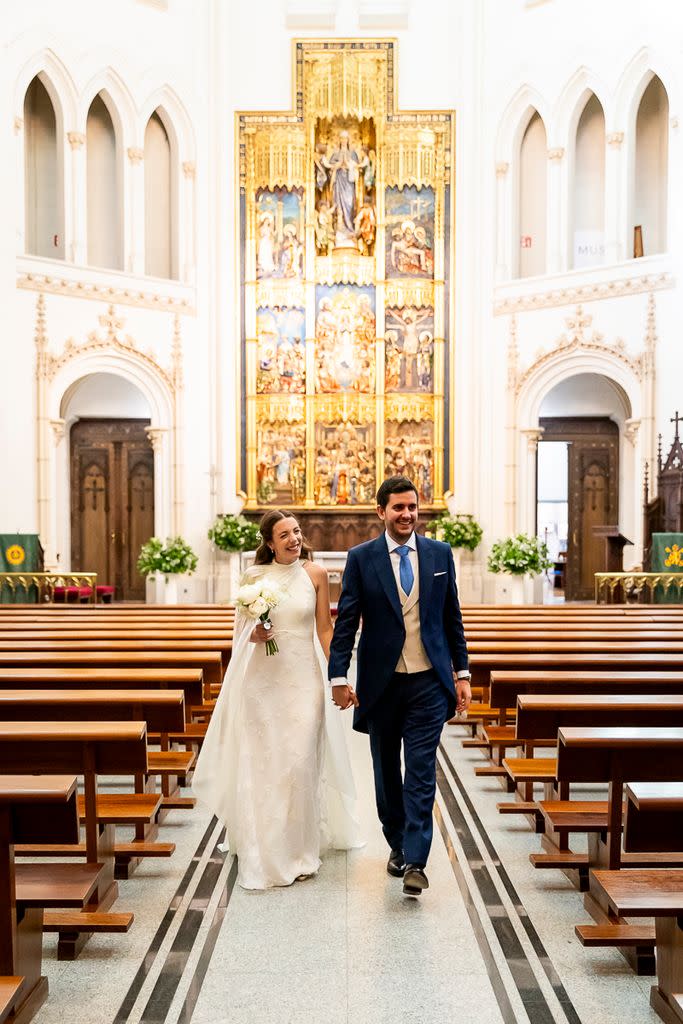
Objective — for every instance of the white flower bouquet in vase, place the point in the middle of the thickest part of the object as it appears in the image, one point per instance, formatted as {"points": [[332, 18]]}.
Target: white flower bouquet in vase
{"points": [[257, 600]]}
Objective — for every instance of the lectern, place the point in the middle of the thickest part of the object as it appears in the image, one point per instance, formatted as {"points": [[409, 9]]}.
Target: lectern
{"points": [[615, 542]]}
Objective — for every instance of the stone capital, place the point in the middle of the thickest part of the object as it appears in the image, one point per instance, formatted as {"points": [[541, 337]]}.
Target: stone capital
{"points": [[615, 139], [189, 169], [533, 435], [136, 155], [18, 125], [502, 167], [76, 139], [156, 437], [556, 154]]}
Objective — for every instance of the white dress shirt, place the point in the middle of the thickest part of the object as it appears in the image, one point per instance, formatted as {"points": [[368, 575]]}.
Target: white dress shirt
{"points": [[395, 565]]}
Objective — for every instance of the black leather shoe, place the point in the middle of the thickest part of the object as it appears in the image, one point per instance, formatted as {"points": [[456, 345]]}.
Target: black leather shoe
{"points": [[414, 880], [396, 864]]}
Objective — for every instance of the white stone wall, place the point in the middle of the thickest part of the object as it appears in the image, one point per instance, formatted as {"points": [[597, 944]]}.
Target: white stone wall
{"points": [[202, 61]]}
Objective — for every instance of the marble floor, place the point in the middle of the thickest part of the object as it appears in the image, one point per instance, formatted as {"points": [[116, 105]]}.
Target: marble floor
{"points": [[491, 940]]}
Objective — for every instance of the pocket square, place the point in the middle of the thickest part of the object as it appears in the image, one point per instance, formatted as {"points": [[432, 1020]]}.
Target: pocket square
{"points": [[444, 573]]}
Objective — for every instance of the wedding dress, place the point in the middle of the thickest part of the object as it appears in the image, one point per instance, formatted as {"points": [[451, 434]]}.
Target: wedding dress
{"points": [[274, 766]]}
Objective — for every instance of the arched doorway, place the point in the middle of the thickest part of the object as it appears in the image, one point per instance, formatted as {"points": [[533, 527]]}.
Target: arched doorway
{"points": [[582, 419], [111, 472]]}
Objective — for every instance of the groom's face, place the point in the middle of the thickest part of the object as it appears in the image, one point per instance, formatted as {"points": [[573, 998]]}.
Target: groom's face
{"points": [[400, 515]]}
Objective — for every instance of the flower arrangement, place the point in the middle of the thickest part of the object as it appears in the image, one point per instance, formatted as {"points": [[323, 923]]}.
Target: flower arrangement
{"points": [[257, 600], [175, 556], [519, 555], [234, 533], [460, 530]]}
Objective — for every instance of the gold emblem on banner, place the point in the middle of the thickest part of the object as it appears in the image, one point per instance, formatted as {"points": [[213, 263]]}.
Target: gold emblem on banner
{"points": [[15, 554]]}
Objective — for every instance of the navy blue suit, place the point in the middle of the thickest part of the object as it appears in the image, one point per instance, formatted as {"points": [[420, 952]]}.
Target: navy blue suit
{"points": [[396, 708]]}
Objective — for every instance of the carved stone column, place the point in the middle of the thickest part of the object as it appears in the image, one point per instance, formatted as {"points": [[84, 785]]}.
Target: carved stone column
{"points": [[526, 512], [20, 178], [502, 221], [186, 228], [134, 239], [615, 213], [74, 229], [556, 247]]}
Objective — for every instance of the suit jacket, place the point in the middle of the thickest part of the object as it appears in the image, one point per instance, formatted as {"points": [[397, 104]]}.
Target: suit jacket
{"points": [[369, 592]]}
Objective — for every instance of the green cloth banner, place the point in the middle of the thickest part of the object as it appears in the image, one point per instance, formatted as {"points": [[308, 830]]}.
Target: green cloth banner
{"points": [[20, 552], [667, 556]]}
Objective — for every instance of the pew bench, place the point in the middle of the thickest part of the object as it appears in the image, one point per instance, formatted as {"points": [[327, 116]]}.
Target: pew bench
{"points": [[87, 749], [162, 711], [35, 808]]}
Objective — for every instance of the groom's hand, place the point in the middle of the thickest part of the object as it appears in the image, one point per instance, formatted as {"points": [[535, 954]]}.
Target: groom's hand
{"points": [[344, 697], [463, 694]]}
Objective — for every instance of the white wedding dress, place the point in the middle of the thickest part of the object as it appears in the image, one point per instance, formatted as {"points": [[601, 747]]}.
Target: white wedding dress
{"points": [[274, 766]]}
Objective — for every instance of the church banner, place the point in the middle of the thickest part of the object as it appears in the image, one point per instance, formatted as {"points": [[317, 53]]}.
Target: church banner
{"points": [[20, 552], [667, 556]]}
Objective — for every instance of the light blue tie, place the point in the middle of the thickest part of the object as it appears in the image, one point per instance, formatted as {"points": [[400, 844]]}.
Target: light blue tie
{"points": [[405, 569]]}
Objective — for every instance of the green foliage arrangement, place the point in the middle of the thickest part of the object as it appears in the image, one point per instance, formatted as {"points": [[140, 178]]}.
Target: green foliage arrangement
{"points": [[460, 531], [175, 556], [519, 555], [234, 533]]}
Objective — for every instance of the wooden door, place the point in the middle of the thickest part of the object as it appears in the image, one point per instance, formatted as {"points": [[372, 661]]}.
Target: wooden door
{"points": [[112, 501], [593, 494]]}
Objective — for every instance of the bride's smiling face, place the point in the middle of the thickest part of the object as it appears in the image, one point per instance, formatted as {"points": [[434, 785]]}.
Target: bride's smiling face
{"points": [[287, 540]]}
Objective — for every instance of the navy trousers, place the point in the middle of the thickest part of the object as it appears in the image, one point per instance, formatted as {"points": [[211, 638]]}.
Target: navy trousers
{"points": [[411, 711]]}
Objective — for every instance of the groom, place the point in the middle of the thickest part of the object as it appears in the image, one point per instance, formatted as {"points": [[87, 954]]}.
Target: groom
{"points": [[412, 645]]}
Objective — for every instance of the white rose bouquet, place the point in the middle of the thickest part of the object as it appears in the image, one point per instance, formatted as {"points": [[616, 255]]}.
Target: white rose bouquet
{"points": [[257, 601]]}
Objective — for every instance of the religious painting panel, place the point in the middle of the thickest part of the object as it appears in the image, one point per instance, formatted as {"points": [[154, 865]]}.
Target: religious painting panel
{"points": [[280, 333], [345, 336], [280, 233], [327, 409], [345, 163], [409, 349], [409, 444], [345, 459], [281, 452], [409, 241]]}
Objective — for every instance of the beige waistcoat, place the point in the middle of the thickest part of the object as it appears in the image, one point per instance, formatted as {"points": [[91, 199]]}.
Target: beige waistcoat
{"points": [[413, 656]]}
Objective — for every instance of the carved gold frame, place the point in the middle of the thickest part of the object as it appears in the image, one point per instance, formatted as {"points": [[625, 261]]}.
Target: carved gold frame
{"points": [[316, 98]]}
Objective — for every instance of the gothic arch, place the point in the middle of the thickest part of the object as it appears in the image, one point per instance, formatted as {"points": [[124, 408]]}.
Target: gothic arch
{"points": [[633, 83], [576, 93], [59, 85], [175, 119], [515, 119], [118, 100]]}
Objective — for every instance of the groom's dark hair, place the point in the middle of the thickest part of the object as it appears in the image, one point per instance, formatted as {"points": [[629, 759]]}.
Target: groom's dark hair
{"points": [[394, 485]]}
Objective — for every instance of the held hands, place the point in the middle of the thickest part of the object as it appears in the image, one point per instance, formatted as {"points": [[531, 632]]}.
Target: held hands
{"points": [[344, 697]]}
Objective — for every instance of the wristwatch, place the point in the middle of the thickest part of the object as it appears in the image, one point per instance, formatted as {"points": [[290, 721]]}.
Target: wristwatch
{"points": [[464, 675]]}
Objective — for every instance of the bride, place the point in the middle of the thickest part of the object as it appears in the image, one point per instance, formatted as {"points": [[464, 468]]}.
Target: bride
{"points": [[274, 766]]}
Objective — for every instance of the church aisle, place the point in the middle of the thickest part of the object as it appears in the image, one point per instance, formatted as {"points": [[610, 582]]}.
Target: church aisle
{"points": [[347, 945]]}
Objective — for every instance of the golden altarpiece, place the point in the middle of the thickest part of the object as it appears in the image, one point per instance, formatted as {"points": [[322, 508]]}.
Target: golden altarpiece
{"points": [[345, 243]]}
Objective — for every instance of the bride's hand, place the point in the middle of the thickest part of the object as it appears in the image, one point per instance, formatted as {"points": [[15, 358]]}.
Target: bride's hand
{"points": [[260, 634]]}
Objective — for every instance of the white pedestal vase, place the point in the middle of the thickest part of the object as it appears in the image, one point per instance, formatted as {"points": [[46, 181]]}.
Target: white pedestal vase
{"points": [[518, 589], [467, 576], [228, 573], [510, 589], [162, 588]]}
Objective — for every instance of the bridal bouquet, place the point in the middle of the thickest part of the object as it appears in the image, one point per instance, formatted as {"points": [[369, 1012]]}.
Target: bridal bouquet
{"points": [[257, 600]]}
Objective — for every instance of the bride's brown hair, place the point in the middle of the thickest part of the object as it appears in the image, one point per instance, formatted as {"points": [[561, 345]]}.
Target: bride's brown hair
{"points": [[264, 555]]}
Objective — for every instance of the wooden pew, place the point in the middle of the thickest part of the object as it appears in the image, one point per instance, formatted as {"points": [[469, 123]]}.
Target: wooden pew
{"points": [[208, 661], [162, 710], [654, 812], [617, 756], [87, 749], [34, 808], [544, 715], [111, 645]]}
